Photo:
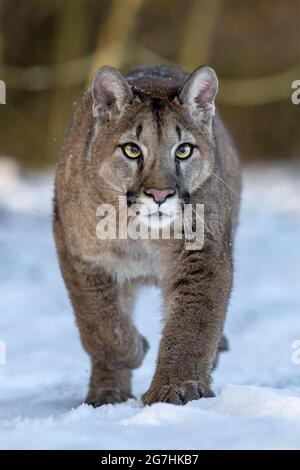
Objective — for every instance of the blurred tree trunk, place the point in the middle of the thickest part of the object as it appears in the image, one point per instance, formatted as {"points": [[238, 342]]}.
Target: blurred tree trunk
{"points": [[253, 45]]}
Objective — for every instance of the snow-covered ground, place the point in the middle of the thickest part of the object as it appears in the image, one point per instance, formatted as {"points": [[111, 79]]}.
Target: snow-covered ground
{"points": [[45, 378]]}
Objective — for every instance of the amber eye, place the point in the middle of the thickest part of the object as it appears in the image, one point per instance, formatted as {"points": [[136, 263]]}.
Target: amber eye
{"points": [[184, 151], [131, 150]]}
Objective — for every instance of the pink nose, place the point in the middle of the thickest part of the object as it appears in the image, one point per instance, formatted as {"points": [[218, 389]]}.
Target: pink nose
{"points": [[159, 195]]}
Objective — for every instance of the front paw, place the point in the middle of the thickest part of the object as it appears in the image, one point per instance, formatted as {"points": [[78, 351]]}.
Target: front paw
{"points": [[177, 394]]}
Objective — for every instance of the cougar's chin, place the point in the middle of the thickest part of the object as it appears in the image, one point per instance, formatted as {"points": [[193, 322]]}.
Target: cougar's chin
{"points": [[157, 220]]}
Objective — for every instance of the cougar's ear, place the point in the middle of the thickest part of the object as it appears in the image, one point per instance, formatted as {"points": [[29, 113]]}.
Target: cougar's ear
{"points": [[110, 91], [199, 92]]}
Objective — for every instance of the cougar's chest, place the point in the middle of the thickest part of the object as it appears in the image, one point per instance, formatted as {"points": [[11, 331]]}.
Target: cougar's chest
{"points": [[132, 261]]}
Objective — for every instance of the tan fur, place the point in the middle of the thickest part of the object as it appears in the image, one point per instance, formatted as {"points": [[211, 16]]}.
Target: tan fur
{"points": [[102, 276]]}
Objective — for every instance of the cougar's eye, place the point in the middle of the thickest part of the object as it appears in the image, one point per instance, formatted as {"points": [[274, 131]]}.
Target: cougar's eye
{"points": [[131, 150], [184, 151]]}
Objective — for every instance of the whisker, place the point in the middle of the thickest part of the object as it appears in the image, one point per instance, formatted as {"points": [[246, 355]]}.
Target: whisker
{"points": [[191, 126], [224, 182], [186, 225], [201, 218], [116, 189]]}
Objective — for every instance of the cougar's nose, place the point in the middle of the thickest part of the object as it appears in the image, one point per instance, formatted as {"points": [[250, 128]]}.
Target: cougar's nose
{"points": [[159, 195]]}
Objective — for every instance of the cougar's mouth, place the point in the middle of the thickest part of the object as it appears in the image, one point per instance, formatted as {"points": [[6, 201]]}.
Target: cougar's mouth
{"points": [[157, 219], [160, 214]]}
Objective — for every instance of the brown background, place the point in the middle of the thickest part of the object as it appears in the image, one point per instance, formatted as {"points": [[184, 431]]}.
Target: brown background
{"points": [[50, 48]]}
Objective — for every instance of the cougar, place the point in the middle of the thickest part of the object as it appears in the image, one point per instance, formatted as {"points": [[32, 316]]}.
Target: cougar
{"points": [[153, 137]]}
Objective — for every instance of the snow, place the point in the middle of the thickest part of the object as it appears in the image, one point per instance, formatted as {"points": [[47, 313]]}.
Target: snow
{"points": [[44, 380]]}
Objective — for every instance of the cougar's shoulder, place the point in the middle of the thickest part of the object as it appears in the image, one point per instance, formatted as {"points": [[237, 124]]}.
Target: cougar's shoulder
{"points": [[228, 169], [69, 202], [71, 159]]}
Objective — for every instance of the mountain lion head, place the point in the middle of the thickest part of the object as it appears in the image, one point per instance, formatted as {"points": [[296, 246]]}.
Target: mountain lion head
{"points": [[152, 144]]}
